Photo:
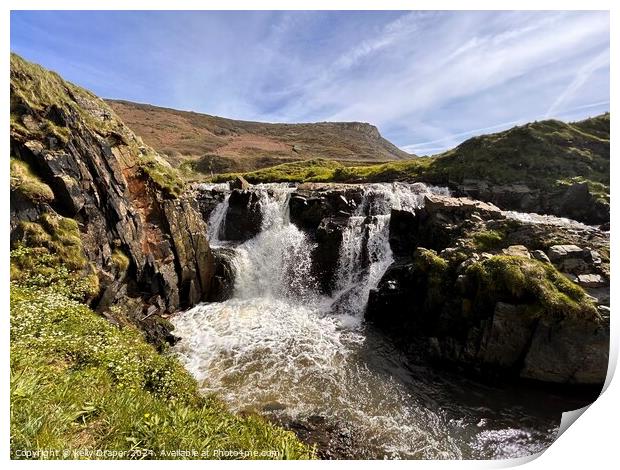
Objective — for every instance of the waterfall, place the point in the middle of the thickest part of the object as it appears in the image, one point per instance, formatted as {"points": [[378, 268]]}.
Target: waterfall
{"points": [[365, 252], [278, 347], [278, 344], [216, 221], [277, 262]]}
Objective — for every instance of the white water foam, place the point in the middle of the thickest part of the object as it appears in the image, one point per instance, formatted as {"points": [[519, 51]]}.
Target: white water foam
{"points": [[279, 345]]}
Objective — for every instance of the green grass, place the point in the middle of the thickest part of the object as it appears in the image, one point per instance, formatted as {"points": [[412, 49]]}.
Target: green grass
{"points": [[27, 183], [315, 170], [528, 281], [50, 253], [81, 384], [120, 260], [78, 383]]}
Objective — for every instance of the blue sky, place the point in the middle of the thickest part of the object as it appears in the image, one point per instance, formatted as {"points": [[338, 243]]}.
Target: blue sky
{"points": [[428, 80]]}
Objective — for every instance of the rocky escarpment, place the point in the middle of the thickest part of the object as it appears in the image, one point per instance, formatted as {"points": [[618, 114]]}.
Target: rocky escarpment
{"points": [[475, 287], [73, 158]]}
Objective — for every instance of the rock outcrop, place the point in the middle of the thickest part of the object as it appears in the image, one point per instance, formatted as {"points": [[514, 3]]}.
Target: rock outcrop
{"points": [[473, 287], [575, 201], [123, 196]]}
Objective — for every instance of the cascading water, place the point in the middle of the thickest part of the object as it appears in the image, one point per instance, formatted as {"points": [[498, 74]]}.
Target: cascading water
{"points": [[278, 346]]}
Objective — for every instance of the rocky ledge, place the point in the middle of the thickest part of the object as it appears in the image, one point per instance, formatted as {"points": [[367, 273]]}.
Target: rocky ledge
{"points": [[496, 295]]}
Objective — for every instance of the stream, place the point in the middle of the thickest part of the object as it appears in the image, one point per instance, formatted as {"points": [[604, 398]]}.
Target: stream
{"points": [[280, 348]]}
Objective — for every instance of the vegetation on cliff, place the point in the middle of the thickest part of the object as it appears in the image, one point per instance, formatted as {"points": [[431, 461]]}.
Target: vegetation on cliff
{"points": [[28, 184], [42, 104], [528, 281]]}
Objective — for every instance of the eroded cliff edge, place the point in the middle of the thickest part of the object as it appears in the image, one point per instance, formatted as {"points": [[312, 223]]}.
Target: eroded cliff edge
{"points": [[146, 248]]}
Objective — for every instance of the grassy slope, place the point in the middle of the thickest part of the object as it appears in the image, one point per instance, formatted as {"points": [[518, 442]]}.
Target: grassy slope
{"points": [[541, 154], [244, 143], [78, 382]]}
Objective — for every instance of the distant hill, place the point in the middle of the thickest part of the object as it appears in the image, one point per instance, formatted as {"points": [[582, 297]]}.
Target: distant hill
{"points": [[219, 144], [548, 166]]}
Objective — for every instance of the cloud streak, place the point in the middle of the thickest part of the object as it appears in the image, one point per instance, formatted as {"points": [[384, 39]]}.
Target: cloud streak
{"points": [[427, 79]]}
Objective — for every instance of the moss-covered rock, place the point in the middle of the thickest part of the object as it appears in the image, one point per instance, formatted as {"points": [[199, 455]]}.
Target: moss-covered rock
{"points": [[515, 279], [26, 182]]}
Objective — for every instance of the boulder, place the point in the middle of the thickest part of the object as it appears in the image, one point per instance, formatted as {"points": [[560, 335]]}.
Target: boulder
{"points": [[591, 280], [239, 183], [459, 208], [244, 216], [558, 253], [569, 351], [517, 250]]}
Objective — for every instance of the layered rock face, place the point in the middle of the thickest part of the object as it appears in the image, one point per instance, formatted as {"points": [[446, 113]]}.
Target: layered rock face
{"points": [[477, 288], [574, 201], [123, 196]]}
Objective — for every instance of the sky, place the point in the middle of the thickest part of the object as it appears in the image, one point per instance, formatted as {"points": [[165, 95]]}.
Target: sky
{"points": [[428, 80]]}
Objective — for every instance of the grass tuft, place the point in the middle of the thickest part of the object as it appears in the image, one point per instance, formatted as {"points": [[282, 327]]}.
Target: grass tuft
{"points": [[522, 280], [27, 183]]}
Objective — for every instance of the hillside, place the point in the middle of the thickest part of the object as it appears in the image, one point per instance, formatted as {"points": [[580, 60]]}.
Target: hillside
{"points": [[218, 144], [548, 167]]}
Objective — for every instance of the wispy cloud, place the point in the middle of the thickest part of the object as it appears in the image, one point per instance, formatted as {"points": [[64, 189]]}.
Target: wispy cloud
{"points": [[427, 79]]}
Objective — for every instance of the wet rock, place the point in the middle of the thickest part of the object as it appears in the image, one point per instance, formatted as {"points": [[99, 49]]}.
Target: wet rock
{"points": [[325, 256], [223, 282], [308, 212], [239, 183], [313, 202], [244, 216], [403, 226], [333, 440], [206, 200]]}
